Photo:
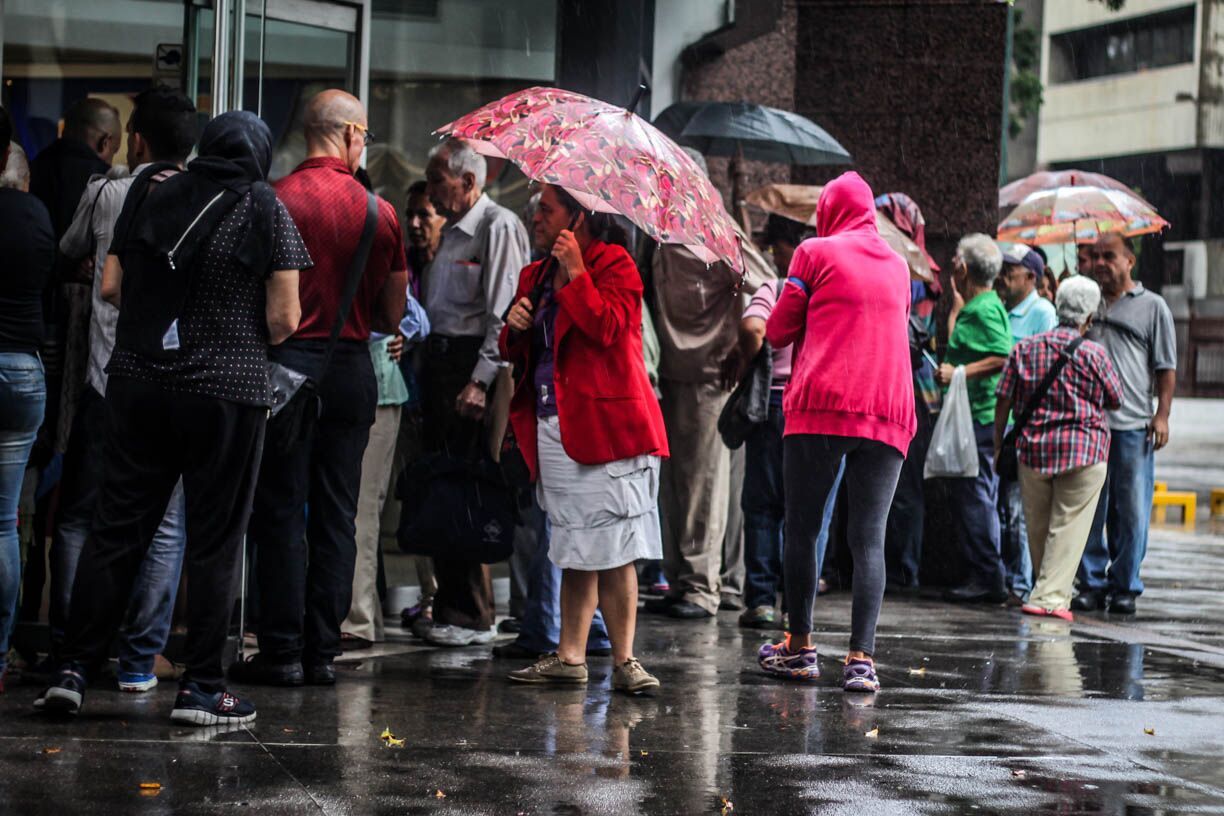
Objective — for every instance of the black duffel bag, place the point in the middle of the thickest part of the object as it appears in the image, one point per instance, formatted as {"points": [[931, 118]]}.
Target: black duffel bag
{"points": [[456, 506]]}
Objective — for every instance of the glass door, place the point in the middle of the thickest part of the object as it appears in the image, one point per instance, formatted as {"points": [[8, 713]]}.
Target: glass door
{"points": [[285, 52]]}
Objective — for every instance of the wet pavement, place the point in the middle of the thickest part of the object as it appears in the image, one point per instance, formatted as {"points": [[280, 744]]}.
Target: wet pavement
{"points": [[983, 711]]}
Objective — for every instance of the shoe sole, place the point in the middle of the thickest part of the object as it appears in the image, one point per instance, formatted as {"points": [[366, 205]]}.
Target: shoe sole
{"points": [[480, 640], [548, 681], [646, 688], [861, 688], [195, 716], [61, 701], [135, 688]]}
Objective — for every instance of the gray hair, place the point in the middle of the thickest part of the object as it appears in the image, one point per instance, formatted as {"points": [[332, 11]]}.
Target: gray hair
{"points": [[16, 173], [1078, 299], [698, 159], [982, 257], [460, 159]]}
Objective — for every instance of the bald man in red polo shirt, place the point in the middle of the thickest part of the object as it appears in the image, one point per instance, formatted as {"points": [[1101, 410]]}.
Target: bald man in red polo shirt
{"points": [[305, 559]]}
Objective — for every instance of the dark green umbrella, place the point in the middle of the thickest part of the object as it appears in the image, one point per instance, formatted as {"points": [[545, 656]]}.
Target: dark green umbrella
{"points": [[755, 132]]}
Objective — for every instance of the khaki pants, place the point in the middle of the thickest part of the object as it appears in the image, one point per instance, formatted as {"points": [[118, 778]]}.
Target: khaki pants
{"points": [[731, 577], [1058, 510], [365, 618], [694, 491]]}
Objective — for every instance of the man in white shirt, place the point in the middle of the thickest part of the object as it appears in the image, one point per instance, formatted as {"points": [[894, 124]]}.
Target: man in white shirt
{"points": [[465, 290]]}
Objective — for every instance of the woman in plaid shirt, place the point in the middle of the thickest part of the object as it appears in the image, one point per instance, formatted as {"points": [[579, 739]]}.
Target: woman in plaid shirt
{"points": [[1064, 447]]}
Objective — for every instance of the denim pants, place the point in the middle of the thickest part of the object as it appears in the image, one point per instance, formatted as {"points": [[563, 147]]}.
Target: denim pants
{"points": [[541, 621], [1013, 539], [764, 505], [23, 397], [1119, 536], [151, 606], [976, 515]]}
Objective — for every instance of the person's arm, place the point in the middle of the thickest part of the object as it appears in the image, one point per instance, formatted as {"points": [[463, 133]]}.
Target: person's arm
{"points": [[514, 342], [1005, 394], [749, 342], [112, 280], [788, 320], [601, 310], [389, 307], [506, 254], [1003, 408], [1158, 429], [284, 310]]}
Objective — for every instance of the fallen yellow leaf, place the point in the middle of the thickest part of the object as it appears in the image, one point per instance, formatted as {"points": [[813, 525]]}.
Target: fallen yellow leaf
{"points": [[439, 794], [1151, 732], [150, 786], [873, 733], [645, 753], [52, 750], [386, 734], [392, 742], [727, 807], [920, 672]]}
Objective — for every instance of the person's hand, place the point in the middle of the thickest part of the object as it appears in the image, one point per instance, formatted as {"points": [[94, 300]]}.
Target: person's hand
{"points": [[958, 300], [85, 271], [943, 374], [1158, 431], [395, 348], [519, 318], [732, 370], [471, 401], [569, 254]]}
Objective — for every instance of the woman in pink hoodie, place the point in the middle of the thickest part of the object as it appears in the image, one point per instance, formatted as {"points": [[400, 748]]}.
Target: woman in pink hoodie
{"points": [[850, 399]]}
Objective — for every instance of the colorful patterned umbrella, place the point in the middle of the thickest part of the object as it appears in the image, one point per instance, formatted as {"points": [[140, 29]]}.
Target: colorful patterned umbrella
{"points": [[1013, 194], [610, 160], [1078, 215]]}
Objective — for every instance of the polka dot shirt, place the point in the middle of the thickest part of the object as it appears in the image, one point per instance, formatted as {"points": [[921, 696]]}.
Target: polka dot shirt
{"points": [[223, 332]]}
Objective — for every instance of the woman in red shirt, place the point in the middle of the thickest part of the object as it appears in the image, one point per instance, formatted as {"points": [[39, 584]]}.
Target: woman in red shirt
{"points": [[590, 429]]}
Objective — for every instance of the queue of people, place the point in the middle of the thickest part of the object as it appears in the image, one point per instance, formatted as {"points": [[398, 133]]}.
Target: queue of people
{"points": [[265, 361]]}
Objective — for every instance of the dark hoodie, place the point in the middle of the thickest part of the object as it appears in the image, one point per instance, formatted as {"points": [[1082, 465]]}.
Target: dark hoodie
{"points": [[845, 307]]}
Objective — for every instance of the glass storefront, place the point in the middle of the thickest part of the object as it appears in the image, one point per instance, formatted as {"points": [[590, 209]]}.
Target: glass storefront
{"points": [[417, 63]]}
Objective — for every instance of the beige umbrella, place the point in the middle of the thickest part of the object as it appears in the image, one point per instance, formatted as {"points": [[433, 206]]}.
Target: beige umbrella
{"points": [[798, 203]]}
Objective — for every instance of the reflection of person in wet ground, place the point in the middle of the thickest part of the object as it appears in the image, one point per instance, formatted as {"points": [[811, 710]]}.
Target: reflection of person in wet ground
{"points": [[589, 428], [846, 283]]}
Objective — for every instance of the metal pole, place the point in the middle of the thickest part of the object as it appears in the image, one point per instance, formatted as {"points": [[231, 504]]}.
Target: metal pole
{"points": [[220, 57], [263, 52], [1007, 69], [239, 56]]}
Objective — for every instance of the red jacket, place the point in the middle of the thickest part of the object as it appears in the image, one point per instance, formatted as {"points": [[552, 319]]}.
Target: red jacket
{"points": [[605, 403]]}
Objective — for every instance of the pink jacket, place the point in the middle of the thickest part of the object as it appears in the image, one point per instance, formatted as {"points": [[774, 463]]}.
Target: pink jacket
{"points": [[845, 306]]}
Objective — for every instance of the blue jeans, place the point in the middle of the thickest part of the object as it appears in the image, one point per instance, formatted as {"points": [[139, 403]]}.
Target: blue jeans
{"points": [[1013, 541], [764, 504], [541, 623], [151, 606], [1119, 536], [23, 398], [977, 517]]}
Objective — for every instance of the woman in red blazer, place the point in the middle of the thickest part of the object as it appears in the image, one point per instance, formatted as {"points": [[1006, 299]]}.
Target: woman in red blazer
{"points": [[590, 430]]}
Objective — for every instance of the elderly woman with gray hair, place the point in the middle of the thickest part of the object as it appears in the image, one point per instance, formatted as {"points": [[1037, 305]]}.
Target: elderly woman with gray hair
{"points": [[1063, 446]]}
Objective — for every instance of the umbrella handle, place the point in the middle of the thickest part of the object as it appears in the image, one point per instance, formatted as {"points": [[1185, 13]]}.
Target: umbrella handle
{"points": [[637, 97]]}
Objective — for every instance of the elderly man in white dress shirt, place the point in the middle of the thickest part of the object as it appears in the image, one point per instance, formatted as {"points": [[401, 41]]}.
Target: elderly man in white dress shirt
{"points": [[466, 290]]}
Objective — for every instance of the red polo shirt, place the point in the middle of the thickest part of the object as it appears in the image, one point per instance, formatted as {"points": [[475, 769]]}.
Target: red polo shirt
{"points": [[329, 205]]}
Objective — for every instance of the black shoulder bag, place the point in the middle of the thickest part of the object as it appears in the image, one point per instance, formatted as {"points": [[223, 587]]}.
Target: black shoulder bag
{"points": [[295, 399], [1007, 462]]}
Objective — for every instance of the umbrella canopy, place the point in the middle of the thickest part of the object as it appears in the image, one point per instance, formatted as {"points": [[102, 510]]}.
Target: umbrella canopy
{"points": [[753, 131], [1013, 194], [611, 161], [1078, 215], [798, 203]]}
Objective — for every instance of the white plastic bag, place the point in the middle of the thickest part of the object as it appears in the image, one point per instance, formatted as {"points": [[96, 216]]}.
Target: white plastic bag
{"points": [[953, 452]]}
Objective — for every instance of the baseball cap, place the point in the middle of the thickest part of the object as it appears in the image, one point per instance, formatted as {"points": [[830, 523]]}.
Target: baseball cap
{"points": [[1023, 255]]}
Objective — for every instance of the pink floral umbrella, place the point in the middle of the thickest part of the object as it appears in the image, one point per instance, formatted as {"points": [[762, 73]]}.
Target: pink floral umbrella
{"points": [[1079, 215], [610, 160]]}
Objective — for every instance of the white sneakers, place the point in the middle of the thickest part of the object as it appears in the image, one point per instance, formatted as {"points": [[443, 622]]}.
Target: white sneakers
{"points": [[444, 635]]}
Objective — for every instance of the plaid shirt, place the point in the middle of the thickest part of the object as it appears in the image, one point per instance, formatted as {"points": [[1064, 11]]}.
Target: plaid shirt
{"points": [[1069, 429]]}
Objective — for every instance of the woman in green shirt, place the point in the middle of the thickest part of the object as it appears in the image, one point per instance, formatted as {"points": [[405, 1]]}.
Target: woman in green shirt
{"points": [[979, 338]]}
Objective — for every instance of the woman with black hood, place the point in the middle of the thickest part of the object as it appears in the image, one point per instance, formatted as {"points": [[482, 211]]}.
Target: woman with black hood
{"points": [[204, 268]]}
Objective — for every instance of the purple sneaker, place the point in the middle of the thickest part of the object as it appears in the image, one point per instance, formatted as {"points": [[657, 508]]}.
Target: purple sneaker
{"points": [[859, 675], [778, 659]]}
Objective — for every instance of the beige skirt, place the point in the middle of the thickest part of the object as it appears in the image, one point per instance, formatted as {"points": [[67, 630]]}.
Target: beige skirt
{"points": [[602, 516]]}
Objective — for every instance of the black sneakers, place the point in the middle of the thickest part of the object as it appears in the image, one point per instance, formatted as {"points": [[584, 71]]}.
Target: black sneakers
{"points": [[194, 706], [259, 671], [66, 692]]}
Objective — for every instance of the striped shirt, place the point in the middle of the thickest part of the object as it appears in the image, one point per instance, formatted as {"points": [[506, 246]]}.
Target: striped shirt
{"points": [[1069, 428]]}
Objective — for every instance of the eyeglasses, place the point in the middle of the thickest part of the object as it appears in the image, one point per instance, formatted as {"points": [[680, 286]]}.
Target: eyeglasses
{"points": [[366, 134]]}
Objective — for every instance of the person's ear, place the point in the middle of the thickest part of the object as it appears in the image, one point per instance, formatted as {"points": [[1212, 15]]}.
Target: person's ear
{"points": [[469, 182]]}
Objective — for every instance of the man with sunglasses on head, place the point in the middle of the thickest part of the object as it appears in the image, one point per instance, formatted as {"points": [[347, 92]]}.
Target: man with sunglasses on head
{"points": [[304, 561]]}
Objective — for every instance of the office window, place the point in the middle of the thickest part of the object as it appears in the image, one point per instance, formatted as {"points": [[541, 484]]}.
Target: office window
{"points": [[1124, 47]]}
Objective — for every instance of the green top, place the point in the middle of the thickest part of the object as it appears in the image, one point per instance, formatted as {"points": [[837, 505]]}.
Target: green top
{"points": [[982, 330]]}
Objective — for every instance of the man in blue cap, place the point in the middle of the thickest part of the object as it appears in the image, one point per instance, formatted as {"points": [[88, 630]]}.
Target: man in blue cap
{"points": [[1029, 314]]}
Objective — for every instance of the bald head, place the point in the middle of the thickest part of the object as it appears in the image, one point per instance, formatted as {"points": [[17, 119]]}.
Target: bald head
{"points": [[96, 123], [335, 126]]}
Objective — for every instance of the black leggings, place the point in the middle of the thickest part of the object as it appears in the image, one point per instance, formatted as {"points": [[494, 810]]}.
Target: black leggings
{"points": [[810, 463]]}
